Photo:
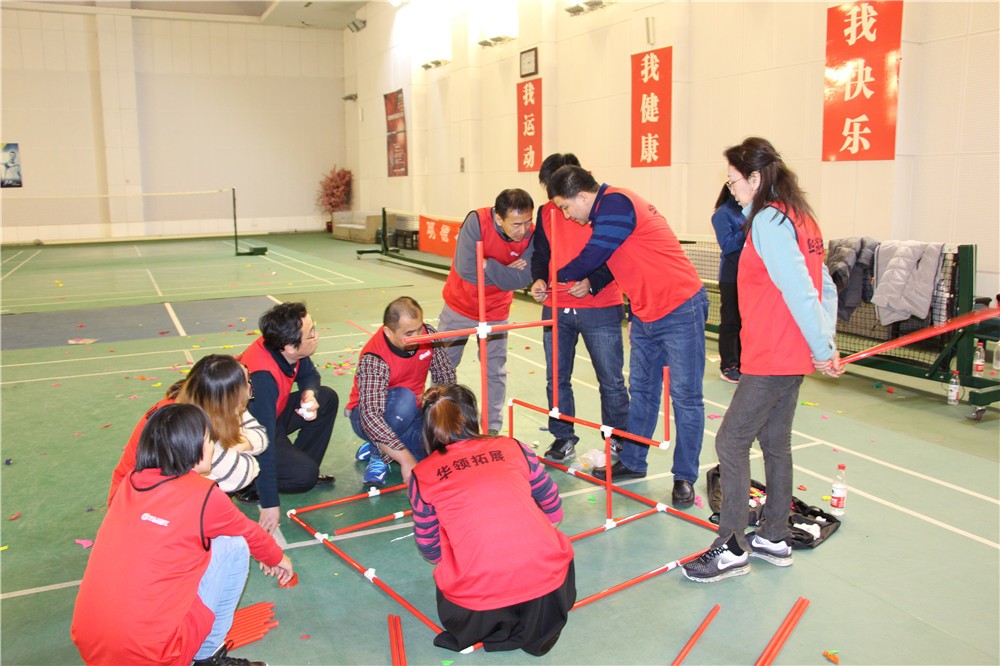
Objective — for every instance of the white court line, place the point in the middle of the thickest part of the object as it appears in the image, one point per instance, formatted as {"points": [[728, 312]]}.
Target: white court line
{"points": [[174, 318], [903, 509], [319, 268], [153, 280], [13, 256], [298, 544], [137, 251], [293, 268], [165, 351], [19, 265]]}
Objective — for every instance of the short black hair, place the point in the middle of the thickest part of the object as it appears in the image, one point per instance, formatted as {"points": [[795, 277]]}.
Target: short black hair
{"points": [[569, 181], [173, 439], [404, 306], [513, 200], [282, 325], [552, 163]]}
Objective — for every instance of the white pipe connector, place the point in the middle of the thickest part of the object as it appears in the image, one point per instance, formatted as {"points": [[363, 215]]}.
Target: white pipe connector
{"points": [[319, 536], [661, 507], [370, 575], [609, 524], [374, 492], [606, 431], [665, 444], [554, 413], [483, 329], [290, 513]]}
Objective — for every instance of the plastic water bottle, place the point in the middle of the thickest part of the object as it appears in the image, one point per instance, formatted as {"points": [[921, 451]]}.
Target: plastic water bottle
{"points": [[979, 361], [838, 497], [954, 388]]}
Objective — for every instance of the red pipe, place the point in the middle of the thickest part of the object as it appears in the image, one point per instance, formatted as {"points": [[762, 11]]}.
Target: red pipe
{"points": [[635, 581], [784, 631], [620, 521], [952, 324], [374, 521], [596, 426], [374, 579], [553, 281], [483, 360], [607, 468], [345, 500], [697, 634], [465, 332]]}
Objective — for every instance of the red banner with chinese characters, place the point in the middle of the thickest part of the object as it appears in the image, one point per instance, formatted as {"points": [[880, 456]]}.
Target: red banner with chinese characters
{"points": [[438, 236], [395, 136], [652, 79], [861, 90], [529, 125]]}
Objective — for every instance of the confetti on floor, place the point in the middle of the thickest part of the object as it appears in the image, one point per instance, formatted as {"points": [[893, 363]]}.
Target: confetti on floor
{"points": [[698, 502], [803, 488], [712, 417], [86, 543], [15, 516]]}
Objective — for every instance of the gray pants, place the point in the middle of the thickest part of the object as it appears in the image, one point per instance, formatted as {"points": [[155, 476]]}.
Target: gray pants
{"points": [[496, 359], [762, 409]]}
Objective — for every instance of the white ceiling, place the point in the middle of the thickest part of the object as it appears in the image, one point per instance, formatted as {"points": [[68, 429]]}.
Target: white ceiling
{"points": [[329, 14]]}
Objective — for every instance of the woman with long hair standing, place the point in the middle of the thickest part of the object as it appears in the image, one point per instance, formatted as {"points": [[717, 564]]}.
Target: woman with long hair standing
{"points": [[788, 305], [486, 513]]}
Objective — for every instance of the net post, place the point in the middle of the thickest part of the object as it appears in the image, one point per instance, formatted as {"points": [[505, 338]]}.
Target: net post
{"points": [[236, 235]]}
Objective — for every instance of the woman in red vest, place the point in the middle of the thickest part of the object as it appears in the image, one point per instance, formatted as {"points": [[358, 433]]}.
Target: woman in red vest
{"points": [[788, 305], [486, 513], [171, 558]]}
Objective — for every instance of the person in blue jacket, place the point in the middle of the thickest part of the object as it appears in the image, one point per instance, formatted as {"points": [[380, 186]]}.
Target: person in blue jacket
{"points": [[728, 221]]}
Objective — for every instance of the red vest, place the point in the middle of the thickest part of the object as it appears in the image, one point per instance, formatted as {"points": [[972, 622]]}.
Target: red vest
{"points": [[462, 296], [650, 266], [408, 372], [498, 548], [570, 240], [127, 462], [257, 357], [771, 342]]}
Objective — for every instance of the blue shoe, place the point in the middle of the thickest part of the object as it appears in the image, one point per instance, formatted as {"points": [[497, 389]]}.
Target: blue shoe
{"points": [[375, 473], [364, 452]]}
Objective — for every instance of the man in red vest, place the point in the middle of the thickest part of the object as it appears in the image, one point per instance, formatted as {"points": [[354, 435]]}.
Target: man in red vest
{"points": [[505, 230], [385, 403], [591, 308], [276, 360], [668, 309]]}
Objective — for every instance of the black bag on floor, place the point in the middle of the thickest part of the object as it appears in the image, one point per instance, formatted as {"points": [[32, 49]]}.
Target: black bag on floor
{"points": [[809, 525], [755, 507], [803, 521]]}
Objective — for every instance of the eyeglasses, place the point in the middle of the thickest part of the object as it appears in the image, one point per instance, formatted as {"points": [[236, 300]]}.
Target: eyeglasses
{"points": [[730, 183]]}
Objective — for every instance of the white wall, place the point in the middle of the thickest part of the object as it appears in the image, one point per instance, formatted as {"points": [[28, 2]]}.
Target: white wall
{"points": [[107, 103], [740, 69]]}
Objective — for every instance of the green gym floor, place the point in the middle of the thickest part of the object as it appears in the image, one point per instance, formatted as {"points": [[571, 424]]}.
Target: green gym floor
{"points": [[92, 334]]}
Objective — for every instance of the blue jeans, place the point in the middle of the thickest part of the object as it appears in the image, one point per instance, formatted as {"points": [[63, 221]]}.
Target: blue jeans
{"points": [[601, 329], [221, 588], [403, 416], [678, 340]]}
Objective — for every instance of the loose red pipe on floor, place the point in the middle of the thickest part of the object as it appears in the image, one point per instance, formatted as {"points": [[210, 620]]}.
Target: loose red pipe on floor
{"points": [[697, 634], [784, 631], [345, 500], [635, 581]]}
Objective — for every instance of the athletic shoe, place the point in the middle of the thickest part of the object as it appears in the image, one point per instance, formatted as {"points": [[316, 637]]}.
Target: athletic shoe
{"points": [[492, 432], [778, 553], [731, 375], [364, 452], [222, 658], [561, 451], [375, 473], [248, 495], [324, 480], [617, 443], [717, 563]]}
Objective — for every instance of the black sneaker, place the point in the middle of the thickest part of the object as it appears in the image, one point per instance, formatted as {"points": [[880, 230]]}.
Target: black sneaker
{"points": [[717, 563], [617, 443], [222, 658], [561, 451], [777, 553], [731, 375], [618, 472], [324, 480]]}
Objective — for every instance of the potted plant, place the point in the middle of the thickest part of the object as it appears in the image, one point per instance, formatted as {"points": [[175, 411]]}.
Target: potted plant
{"points": [[334, 193]]}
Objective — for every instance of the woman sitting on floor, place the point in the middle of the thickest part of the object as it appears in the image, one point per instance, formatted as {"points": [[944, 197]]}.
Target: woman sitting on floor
{"points": [[486, 512], [219, 385], [170, 560]]}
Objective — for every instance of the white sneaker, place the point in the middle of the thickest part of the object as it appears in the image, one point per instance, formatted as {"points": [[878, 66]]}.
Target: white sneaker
{"points": [[778, 553], [717, 563]]}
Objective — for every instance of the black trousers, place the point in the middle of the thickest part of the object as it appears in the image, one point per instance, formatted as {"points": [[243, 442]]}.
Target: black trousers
{"points": [[729, 327], [297, 465], [533, 626]]}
